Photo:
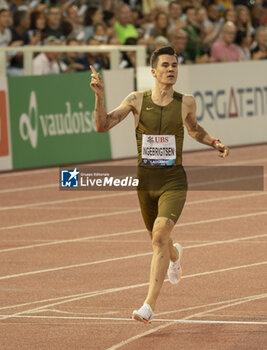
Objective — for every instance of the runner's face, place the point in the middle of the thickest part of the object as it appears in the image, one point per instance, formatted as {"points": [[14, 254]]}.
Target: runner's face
{"points": [[167, 70]]}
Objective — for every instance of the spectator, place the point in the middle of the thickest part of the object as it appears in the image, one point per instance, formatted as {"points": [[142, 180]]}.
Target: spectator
{"points": [[37, 27], [224, 49], [138, 21], [243, 42], [213, 17], [5, 32], [21, 24], [109, 18], [244, 19], [256, 13], [178, 40], [73, 17], [213, 25], [129, 57], [113, 40], [92, 58], [69, 63], [159, 42], [175, 12], [100, 33], [66, 28], [92, 16], [193, 45], [124, 29], [202, 20], [231, 16], [259, 52], [47, 62], [54, 25], [20, 37], [160, 27]]}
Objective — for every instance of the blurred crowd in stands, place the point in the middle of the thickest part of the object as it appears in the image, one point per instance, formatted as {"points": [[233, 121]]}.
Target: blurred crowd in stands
{"points": [[200, 31]]}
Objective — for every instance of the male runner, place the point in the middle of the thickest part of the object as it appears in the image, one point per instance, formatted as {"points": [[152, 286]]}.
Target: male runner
{"points": [[163, 185]]}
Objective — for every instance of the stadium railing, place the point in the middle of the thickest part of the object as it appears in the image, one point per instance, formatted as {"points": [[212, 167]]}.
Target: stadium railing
{"points": [[114, 51]]}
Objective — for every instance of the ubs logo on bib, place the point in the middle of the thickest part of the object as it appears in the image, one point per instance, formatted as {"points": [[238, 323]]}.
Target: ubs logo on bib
{"points": [[161, 139]]}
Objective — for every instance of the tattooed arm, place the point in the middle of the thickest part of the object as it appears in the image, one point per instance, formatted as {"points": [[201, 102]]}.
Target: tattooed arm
{"points": [[105, 121], [195, 130]]}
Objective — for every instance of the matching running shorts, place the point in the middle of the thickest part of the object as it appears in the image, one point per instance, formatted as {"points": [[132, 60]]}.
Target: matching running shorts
{"points": [[161, 192]]}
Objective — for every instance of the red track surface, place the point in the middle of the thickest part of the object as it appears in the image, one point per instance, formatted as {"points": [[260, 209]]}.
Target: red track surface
{"points": [[71, 275]]}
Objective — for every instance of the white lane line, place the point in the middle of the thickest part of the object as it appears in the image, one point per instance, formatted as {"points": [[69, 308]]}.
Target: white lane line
{"points": [[125, 232], [63, 241], [123, 257], [132, 256], [236, 179], [115, 162], [78, 218], [70, 166], [141, 335], [226, 269], [249, 161], [213, 322], [76, 298], [62, 201], [27, 172], [115, 319], [104, 292], [30, 273], [80, 313], [189, 168], [36, 204], [60, 268], [191, 308], [40, 223], [29, 188], [95, 293]]}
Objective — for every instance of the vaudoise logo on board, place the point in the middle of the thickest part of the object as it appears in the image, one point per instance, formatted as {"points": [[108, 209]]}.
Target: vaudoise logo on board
{"points": [[66, 122]]}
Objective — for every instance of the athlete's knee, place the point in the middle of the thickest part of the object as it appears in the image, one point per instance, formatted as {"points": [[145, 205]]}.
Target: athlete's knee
{"points": [[160, 239]]}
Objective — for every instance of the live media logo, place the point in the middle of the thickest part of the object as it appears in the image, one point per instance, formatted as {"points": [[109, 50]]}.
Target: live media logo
{"points": [[69, 178]]}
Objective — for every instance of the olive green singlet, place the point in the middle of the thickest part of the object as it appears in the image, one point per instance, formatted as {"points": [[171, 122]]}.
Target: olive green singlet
{"points": [[162, 182], [161, 120]]}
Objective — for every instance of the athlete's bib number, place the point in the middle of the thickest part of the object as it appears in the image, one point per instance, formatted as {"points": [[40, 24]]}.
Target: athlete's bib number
{"points": [[158, 149]]}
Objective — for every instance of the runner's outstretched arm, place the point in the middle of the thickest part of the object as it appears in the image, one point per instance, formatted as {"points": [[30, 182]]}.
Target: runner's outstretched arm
{"points": [[105, 121], [196, 131]]}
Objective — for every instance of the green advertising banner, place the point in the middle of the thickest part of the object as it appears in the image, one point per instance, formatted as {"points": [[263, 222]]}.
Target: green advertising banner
{"points": [[52, 121]]}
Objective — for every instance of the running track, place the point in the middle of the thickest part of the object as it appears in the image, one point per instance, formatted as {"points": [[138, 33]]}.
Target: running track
{"points": [[73, 266]]}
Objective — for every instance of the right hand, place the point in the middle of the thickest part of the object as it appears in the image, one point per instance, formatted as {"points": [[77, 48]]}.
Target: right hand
{"points": [[259, 55], [97, 83], [223, 150], [17, 43], [78, 66], [35, 38]]}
